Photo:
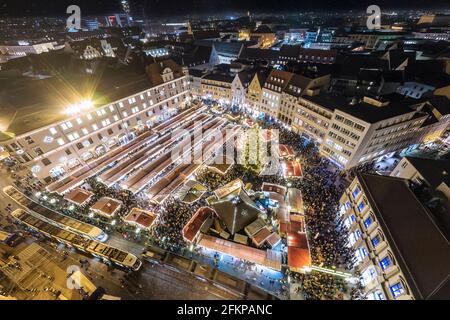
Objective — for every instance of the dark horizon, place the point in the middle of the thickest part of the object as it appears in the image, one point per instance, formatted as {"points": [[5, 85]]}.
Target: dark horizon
{"points": [[57, 8]]}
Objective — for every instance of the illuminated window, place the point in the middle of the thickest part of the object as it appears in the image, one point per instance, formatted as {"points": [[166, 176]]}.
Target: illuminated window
{"points": [[61, 141], [355, 192], [368, 222], [361, 206], [85, 131], [66, 125], [385, 263], [106, 122], [73, 136], [397, 289], [53, 131], [79, 121]]}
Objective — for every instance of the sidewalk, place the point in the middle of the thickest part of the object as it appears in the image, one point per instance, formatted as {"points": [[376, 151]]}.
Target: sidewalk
{"points": [[269, 280]]}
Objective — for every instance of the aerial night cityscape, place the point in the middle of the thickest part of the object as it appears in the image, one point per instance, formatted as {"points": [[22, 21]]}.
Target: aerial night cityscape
{"points": [[260, 152]]}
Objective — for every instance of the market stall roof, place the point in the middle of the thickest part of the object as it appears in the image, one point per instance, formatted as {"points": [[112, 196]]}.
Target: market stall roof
{"points": [[78, 196], [299, 256], [232, 187], [221, 164], [261, 236], [191, 191], [267, 258], [295, 201], [195, 224], [292, 169], [141, 218], [285, 151], [106, 206], [276, 188]]}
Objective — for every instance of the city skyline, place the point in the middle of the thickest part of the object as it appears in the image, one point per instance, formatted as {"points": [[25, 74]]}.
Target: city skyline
{"points": [[175, 7]]}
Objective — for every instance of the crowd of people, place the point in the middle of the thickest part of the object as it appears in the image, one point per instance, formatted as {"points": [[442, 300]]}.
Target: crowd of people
{"points": [[321, 186], [173, 216]]}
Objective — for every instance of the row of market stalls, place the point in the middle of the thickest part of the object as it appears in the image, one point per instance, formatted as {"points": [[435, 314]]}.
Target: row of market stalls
{"points": [[108, 208], [117, 156]]}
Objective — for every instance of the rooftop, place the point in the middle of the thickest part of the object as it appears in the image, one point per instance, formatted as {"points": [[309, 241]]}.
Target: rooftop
{"points": [[27, 104], [292, 169], [78, 196], [142, 218], [237, 212], [433, 171], [193, 227], [106, 206], [398, 105]]}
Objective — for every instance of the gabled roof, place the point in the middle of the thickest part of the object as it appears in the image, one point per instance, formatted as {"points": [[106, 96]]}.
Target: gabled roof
{"points": [[396, 57], [155, 70], [194, 226], [276, 75], [298, 82]]}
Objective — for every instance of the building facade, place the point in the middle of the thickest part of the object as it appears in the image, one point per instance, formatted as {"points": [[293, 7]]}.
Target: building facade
{"points": [[399, 248], [56, 149]]}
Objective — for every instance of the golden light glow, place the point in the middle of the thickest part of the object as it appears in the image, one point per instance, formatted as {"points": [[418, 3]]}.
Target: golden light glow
{"points": [[77, 108]]}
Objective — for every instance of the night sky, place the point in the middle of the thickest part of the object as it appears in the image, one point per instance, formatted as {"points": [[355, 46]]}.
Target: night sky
{"points": [[176, 7]]}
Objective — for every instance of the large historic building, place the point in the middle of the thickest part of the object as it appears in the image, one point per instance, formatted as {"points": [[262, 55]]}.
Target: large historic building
{"points": [[53, 128], [401, 245]]}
